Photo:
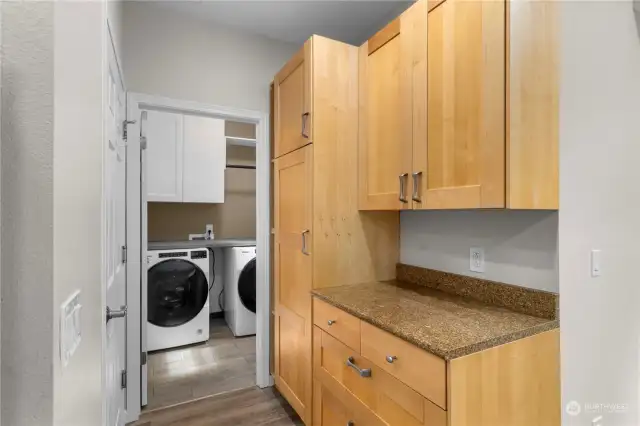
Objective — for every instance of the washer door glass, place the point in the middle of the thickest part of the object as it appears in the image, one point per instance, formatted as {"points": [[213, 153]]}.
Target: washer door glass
{"points": [[177, 292], [247, 285]]}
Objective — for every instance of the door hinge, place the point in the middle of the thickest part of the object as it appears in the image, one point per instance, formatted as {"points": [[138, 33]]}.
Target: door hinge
{"points": [[123, 379], [124, 254], [125, 124], [143, 358]]}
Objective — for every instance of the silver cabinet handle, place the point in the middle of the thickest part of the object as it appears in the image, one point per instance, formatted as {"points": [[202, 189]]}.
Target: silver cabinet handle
{"points": [[304, 242], [305, 118], [362, 372], [331, 322], [415, 196], [111, 314], [391, 358], [402, 178]]}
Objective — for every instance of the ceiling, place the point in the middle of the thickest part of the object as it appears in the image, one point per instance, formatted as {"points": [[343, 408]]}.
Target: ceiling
{"points": [[293, 21]]}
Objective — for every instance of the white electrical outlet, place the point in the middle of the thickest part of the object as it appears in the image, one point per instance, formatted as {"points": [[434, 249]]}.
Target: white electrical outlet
{"points": [[476, 259]]}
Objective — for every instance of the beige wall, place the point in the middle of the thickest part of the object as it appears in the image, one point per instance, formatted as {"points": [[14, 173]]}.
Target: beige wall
{"points": [[235, 218]]}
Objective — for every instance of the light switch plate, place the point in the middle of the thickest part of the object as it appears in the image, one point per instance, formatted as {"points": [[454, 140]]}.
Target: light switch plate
{"points": [[476, 259]]}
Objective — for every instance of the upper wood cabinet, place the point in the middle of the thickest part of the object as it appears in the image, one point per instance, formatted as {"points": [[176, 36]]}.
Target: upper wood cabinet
{"points": [[293, 117], [385, 117], [459, 144], [468, 116]]}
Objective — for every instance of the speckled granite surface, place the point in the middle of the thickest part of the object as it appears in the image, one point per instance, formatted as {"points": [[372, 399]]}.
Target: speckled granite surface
{"points": [[520, 299], [447, 325]]}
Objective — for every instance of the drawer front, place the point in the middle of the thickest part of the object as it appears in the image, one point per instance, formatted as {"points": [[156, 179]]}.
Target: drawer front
{"points": [[390, 399], [422, 371], [338, 323], [334, 406]]}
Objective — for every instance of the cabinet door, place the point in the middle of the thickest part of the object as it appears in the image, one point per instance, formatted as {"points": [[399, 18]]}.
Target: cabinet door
{"points": [[459, 143], [385, 136], [292, 101], [205, 155], [164, 156], [292, 192]]}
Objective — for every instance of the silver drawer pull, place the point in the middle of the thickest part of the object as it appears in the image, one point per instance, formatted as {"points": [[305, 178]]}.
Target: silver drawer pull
{"points": [[304, 242], [331, 322], [391, 358], [415, 196], [362, 372], [403, 196]]}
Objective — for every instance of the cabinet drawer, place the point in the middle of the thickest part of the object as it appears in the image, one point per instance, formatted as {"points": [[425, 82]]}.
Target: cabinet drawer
{"points": [[422, 371], [335, 406], [338, 323], [390, 399]]}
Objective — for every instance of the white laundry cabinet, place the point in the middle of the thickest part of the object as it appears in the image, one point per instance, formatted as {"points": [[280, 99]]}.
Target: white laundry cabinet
{"points": [[186, 158]]}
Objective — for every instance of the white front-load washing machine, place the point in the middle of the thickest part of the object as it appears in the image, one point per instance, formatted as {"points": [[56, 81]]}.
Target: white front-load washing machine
{"points": [[240, 290], [177, 298]]}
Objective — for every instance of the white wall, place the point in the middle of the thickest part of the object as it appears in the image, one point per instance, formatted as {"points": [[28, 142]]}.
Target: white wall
{"points": [[27, 221], [600, 208], [521, 247], [183, 58], [77, 203]]}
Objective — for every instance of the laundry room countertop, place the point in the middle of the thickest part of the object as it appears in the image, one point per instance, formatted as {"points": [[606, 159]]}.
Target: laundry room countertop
{"points": [[221, 243]]}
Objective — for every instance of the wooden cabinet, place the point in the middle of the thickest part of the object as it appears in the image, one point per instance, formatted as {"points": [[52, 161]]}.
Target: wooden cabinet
{"points": [[186, 158], [463, 165], [205, 160], [492, 387], [385, 117], [292, 208], [469, 111], [321, 239], [292, 107], [164, 156]]}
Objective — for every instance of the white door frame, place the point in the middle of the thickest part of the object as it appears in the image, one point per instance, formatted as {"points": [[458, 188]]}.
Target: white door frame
{"points": [[134, 227]]}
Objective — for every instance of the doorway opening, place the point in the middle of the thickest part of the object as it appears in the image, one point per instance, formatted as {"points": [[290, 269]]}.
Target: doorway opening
{"points": [[201, 178]]}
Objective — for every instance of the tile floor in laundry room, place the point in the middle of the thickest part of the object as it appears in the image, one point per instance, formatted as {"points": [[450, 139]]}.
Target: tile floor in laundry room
{"points": [[222, 364]]}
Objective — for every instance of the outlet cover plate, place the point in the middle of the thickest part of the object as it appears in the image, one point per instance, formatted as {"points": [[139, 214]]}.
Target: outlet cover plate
{"points": [[476, 259]]}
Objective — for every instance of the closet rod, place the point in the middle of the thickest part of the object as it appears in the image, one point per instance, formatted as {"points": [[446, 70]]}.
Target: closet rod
{"points": [[240, 166]]}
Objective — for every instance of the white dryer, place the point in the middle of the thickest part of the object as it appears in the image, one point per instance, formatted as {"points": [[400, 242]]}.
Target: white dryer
{"points": [[240, 290], [177, 298]]}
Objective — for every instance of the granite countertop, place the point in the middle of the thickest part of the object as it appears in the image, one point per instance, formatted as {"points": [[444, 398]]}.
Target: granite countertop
{"points": [[447, 325], [218, 243]]}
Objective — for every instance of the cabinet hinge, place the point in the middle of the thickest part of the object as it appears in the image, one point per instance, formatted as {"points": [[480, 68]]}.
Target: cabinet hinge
{"points": [[125, 124], [143, 358], [123, 379], [124, 254]]}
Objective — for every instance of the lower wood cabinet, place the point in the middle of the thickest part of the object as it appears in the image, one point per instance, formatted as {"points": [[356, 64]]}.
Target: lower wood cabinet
{"points": [[394, 383]]}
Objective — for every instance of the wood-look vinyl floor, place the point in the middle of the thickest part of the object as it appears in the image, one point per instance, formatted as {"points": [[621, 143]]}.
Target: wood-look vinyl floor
{"points": [[222, 364], [245, 407]]}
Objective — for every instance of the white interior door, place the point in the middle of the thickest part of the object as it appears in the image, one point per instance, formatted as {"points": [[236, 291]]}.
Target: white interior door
{"points": [[114, 243]]}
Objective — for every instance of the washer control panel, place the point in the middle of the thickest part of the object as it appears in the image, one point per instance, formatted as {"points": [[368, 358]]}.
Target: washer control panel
{"points": [[200, 254]]}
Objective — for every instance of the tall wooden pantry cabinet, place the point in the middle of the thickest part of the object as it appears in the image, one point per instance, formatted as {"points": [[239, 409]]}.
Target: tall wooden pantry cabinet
{"points": [[321, 239]]}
